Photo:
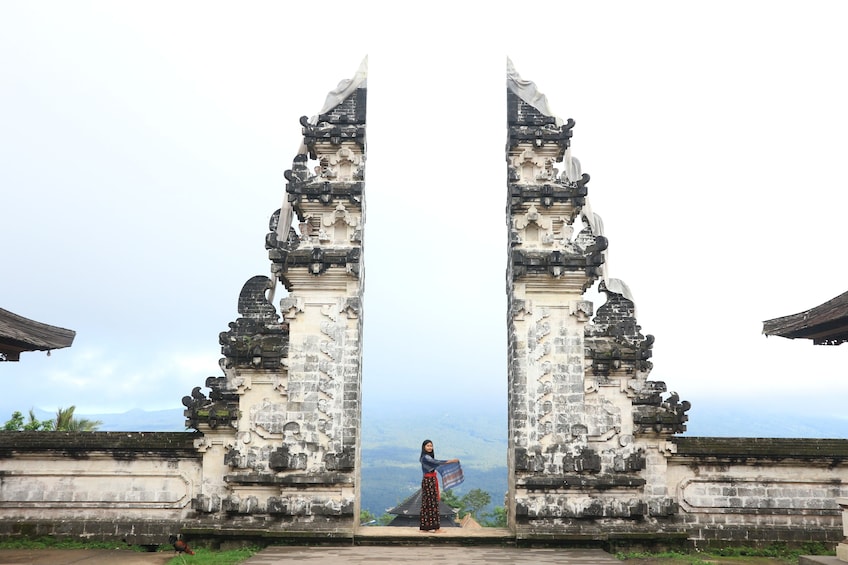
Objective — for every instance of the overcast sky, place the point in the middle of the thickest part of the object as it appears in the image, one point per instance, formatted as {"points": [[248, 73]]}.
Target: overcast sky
{"points": [[143, 144]]}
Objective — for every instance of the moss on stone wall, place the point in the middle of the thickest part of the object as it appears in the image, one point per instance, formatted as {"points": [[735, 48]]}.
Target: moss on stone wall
{"points": [[119, 444], [829, 451]]}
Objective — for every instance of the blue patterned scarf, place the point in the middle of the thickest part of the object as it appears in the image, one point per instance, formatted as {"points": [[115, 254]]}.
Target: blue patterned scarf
{"points": [[451, 475]]}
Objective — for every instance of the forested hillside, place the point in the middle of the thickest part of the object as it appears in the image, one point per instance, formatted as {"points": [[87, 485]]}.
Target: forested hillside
{"points": [[391, 444]]}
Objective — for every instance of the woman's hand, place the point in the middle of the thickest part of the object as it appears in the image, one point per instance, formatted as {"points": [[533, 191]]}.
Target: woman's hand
{"points": [[454, 461]]}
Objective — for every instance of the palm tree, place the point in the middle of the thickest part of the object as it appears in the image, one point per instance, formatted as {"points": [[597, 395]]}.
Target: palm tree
{"points": [[65, 422], [34, 424]]}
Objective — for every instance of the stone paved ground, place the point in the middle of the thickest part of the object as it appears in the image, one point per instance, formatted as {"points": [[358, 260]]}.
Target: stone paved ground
{"points": [[347, 555], [81, 557], [387, 555], [441, 554]]}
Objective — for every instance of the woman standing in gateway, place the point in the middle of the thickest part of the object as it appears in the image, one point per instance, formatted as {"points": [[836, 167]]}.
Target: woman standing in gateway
{"points": [[430, 488]]}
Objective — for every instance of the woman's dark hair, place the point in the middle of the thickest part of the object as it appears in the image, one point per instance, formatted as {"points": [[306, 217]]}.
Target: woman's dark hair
{"points": [[423, 453]]}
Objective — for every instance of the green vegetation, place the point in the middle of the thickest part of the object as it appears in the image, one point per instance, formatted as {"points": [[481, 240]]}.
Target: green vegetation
{"points": [[16, 423], [701, 558], [473, 502], [777, 553], [366, 518], [209, 557], [64, 422], [496, 518]]}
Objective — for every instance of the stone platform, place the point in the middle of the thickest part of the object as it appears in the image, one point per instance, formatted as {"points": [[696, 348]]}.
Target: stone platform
{"points": [[393, 535], [351, 555], [441, 553]]}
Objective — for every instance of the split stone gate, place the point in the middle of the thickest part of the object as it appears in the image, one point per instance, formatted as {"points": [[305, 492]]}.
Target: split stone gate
{"points": [[588, 432], [594, 446]]}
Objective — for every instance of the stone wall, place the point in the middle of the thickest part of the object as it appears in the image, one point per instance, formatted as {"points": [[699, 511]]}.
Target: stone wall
{"points": [[755, 491], [127, 486], [142, 487]]}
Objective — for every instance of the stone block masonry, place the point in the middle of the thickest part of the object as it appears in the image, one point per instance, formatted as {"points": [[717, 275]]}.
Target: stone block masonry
{"points": [[588, 432], [758, 491], [288, 459], [130, 486]]}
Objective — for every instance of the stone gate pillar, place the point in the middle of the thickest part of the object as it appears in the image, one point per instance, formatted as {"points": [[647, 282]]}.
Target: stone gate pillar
{"points": [[588, 433], [281, 426]]}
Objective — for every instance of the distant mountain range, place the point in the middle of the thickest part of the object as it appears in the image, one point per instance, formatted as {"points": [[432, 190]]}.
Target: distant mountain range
{"points": [[728, 420], [392, 436]]}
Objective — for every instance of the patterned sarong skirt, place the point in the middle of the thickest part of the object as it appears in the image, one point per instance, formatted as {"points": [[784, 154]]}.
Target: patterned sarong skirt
{"points": [[429, 502]]}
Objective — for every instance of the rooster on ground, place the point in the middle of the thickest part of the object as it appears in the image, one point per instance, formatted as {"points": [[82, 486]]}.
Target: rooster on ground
{"points": [[180, 546]]}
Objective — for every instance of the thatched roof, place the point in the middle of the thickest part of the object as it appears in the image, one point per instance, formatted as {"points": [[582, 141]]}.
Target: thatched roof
{"points": [[826, 324], [19, 334], [408, 512]]}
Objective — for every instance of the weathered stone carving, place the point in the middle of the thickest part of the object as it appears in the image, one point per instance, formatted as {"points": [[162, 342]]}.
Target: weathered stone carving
{"points": [[257, 339], [212, 413], [290, 392], [615, 348], [587, 430]]}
